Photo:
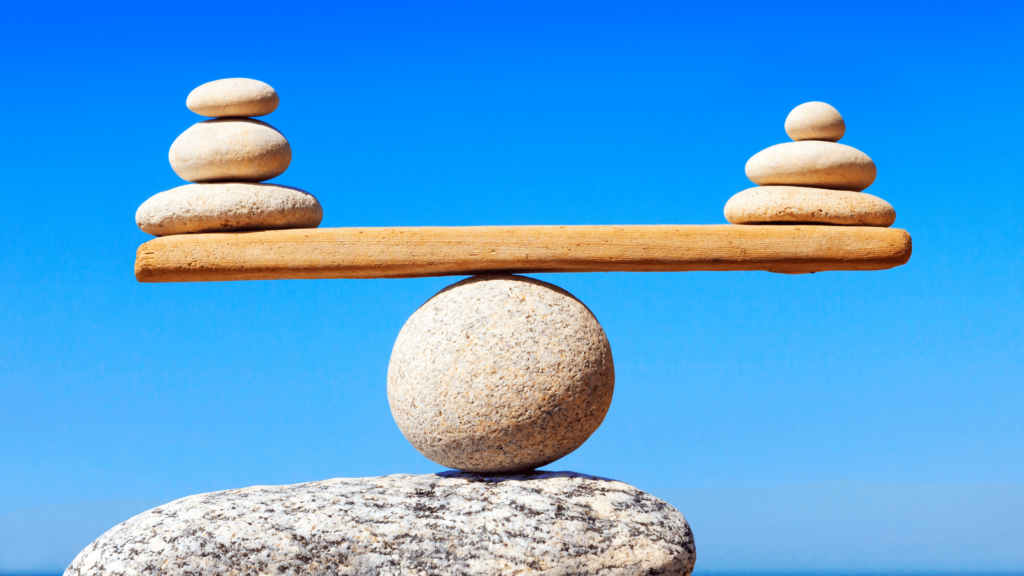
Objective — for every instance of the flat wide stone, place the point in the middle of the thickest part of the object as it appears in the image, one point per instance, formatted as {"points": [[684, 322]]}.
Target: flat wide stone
{"points": [[556, 523], [796, 205], [228, 206]]}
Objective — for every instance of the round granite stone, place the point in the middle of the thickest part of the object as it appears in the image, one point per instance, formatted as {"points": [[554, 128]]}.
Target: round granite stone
{"points": [[500, 373]]}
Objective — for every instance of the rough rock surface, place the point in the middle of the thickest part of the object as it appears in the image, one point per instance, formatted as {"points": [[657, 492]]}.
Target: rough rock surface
{"points": [[230, 149], [815, 121], [228, 206], [232, 97], [557, 523], [792, 204], [813, 164], [500, 373]]}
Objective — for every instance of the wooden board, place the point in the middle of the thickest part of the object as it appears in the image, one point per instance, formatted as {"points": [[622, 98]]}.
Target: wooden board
{"points": [[455, 251]]}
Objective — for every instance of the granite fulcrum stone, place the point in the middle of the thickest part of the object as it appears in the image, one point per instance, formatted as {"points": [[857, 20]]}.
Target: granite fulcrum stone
{"points": [[500, 373]]}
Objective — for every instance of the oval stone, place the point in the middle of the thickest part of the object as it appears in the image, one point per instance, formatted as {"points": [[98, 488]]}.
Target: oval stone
{"points": [[233, 97], [230, 149], [500, 373], [795, 205], [813, 164], [815, 121], [228, 206]]}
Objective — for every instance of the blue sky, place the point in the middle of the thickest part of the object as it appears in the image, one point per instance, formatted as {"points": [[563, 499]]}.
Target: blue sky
{"points": [[516, 113]]}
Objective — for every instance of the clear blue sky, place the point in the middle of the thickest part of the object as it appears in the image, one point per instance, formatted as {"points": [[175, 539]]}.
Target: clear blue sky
{"points": [[466, 113]]}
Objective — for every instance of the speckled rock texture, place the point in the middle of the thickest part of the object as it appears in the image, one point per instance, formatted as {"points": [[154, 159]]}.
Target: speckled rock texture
{"points": [[500, 373], [793, 205], [813, 164], [233, 97], [815, 121], [557, 523], [230, 150], [228, 206]]}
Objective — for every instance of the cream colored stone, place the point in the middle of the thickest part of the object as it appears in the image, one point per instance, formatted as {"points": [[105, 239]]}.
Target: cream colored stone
{"points": [[230, 149], [500, 373], [815, 121], [793, 205], [233, 97], [228, 206], [812, 164]]}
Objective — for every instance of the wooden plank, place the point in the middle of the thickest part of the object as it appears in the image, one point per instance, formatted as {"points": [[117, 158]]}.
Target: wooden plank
{"points": [[436, 251]]}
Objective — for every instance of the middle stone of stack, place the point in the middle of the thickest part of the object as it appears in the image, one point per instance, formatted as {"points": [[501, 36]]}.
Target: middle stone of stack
{"points": [[500, 373]]}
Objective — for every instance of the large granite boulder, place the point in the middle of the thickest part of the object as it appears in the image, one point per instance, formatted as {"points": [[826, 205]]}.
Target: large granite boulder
{"points": [[556, 523]]}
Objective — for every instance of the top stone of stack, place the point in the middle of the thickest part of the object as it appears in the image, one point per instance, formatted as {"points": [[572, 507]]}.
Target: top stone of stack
{"points": [[815, 121], [233, 98]]}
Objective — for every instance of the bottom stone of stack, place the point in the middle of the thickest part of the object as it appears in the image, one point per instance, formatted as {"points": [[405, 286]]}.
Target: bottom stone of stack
{"points": [[451, 523], [800, 205], [228, 206]]}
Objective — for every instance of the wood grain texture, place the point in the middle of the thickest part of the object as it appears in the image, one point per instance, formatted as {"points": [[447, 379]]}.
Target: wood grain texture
{"points": [[456, 251]]}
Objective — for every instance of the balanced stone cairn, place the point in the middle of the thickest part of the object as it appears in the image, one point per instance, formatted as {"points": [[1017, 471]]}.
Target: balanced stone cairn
{"points": [[812, 180], [226, 159], [495, 376]]}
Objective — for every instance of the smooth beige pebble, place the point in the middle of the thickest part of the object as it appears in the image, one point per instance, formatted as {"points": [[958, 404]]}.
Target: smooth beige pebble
{"points": [[230, 149], [233, 97], [796, 205], [813, 164], [228, 206], [500, 373], [815, 121]]}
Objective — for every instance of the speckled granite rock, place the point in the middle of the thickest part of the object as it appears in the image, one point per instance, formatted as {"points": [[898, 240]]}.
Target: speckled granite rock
{"points": [[558, 523], [500, 373]]}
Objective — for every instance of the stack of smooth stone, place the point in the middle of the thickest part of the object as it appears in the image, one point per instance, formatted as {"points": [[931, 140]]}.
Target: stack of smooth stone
{"points": [[494, 376], [812, 180], [226, 159]]}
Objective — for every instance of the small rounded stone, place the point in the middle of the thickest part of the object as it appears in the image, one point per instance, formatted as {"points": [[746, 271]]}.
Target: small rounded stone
{"points": [[796, 205], [812, 164], [500, 373], [230, 149], [815, 121], [228, 206], [233, 97]]}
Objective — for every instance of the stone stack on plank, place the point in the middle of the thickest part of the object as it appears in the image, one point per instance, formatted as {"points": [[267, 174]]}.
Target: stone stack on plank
{"points": [[495, 376], [226, 159], [812, 180]]}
